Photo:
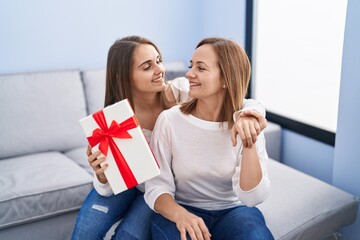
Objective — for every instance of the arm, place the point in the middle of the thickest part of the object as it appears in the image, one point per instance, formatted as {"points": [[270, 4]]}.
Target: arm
{"points": [[250, 181], [248, 123], [177, 90], [100, 181], [160, 191]]}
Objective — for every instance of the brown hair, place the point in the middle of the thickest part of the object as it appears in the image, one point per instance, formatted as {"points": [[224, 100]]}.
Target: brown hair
{"points": [[235, 70], [118, 70]]}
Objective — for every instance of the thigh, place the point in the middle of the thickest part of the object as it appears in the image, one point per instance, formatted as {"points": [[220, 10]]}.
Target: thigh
{"points": [[164, 229], [136, 222], [241, 223], [98, 213]]}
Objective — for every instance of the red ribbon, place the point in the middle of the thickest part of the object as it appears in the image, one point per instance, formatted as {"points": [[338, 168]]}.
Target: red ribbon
{"points": [[104, 137]]}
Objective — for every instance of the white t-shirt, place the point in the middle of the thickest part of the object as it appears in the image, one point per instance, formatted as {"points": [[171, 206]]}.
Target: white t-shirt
{"points": [[199, 166], [180, 89]]}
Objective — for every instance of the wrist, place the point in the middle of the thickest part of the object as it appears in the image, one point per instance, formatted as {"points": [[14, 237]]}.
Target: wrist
{"points": [[102, 179], [236, 115]]}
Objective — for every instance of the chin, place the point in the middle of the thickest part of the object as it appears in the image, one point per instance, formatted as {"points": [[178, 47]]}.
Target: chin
{"points": [[161, 88]]}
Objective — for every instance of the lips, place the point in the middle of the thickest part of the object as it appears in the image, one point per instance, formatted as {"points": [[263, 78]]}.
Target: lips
{"points": [[159, 79], [194, 84]]}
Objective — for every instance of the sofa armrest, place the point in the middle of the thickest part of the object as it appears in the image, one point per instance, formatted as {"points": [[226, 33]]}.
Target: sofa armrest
{"points": [[273, 140]]}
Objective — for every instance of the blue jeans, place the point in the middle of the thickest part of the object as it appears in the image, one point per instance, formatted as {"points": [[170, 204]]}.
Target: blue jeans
{"points": [[231, 224], [99, 213]]}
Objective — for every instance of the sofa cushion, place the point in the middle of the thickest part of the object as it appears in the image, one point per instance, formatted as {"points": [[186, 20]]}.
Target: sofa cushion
{"points": [[40, 185], [302, 207], [40, 112], [94, 85], [78, 155]]}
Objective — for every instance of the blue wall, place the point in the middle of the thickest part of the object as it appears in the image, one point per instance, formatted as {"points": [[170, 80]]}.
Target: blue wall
{"points": [[307, 155], [46, 35], [41, 35]]}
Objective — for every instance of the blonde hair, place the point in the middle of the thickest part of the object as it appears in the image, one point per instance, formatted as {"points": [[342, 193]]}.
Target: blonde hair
{"points": [[235, 70]]}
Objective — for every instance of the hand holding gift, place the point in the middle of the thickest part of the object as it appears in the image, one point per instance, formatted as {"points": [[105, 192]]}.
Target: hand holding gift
{"points": [[115, 131]]}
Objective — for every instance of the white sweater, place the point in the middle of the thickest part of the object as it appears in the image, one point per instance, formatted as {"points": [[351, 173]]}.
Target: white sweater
{"points": [[180, 88], [199, 166]]}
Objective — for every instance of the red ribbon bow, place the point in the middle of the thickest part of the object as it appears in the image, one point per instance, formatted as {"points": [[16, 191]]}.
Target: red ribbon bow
{"points": [[104, 137]]}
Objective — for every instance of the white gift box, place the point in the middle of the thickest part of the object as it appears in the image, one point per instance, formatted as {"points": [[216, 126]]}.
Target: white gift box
{"points": [[116, 133]]}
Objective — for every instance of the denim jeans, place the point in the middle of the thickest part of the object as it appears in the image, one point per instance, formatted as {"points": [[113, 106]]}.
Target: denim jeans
{"points": [[99, 213], [230, 224]]}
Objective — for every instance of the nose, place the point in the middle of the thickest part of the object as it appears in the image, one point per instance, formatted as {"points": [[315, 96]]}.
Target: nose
{"points": [[159, 69], [189, 74]]}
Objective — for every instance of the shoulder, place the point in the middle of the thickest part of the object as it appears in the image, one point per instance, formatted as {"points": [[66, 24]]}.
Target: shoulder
{"points": [[168, 116], [171, 112]]}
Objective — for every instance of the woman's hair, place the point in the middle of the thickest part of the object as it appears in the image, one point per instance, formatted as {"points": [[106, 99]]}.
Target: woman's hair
{"points": [[119, 67], [235, 70]]}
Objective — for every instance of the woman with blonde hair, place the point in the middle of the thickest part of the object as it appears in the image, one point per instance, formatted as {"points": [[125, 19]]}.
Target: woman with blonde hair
{"points": [[207, 187]]}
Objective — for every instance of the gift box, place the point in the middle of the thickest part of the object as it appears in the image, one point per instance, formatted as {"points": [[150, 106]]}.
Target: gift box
{"points": [[116, 132]]}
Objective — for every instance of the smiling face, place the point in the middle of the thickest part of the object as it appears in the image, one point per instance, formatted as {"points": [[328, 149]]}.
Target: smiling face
{"points": [[204, 74], [147, 74]]}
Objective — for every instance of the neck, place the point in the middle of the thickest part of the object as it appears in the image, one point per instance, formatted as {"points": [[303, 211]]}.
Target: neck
{"points": [[209, 111], [146, 102]]}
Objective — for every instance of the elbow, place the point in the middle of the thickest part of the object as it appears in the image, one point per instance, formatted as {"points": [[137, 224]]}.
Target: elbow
{"points": [[252, 202], [255, 196]]}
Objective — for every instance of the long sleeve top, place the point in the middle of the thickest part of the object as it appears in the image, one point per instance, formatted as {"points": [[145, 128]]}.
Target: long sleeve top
{"points": [[180, 89], [199, 165]]}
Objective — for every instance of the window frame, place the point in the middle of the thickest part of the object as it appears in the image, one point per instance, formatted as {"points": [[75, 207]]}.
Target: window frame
{"points": [[316, 133]]}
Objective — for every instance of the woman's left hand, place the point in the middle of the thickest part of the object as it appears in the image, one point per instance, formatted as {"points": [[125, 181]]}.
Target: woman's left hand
{"points": [[248, 125]]}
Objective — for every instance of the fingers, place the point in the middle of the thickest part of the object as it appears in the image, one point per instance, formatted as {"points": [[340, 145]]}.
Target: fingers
{"points": [[252, 113], [96, 165], [248, 137], [233, 136], [205, 231], [95, 162], [195, 228], [261, 120], [262, 123], [257, 128], [198, 230], [242, 134], [183, 234]]}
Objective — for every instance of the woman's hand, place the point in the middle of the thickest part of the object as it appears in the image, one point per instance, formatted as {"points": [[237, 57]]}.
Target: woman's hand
{"points": [[248, 125], [95, 161], [187, 222]]}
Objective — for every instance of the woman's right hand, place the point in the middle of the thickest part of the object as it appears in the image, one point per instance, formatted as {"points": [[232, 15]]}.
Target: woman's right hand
{"points": [[188, 223], [95, 161]]}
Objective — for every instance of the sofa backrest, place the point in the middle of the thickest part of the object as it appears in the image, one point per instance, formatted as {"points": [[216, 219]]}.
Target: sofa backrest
{"points": [[40, 112], [94, 85]]}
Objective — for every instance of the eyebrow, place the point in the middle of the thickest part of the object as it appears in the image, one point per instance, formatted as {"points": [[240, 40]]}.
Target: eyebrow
{"points": [[148, 61], [199, 62]]}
